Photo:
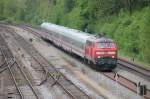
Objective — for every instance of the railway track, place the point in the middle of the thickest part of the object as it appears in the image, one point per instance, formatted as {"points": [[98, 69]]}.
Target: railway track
{"points": [[112, 75], [137, 68], [3, 67], [4, 48], [126, 83], [7, 55], [133, 86], [67, 85]]}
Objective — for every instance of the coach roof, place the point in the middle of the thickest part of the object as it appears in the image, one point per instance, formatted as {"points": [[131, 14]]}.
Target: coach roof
{"points": [[72, 33]]}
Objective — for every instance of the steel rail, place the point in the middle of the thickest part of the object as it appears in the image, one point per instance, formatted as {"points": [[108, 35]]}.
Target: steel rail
{"points": [[28, 81], [22, 72], [5, 68], [126, 83], [135, 67], [2, 65], [12, 75], [49, 73], [57, 81], [45, 70]]}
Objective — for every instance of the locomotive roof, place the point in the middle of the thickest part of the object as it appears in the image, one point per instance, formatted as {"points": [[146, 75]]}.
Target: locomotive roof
{"points": [[104, 39]]}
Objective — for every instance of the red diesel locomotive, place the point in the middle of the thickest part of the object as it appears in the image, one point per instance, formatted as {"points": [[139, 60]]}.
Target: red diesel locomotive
{"points": [[101, 52]]}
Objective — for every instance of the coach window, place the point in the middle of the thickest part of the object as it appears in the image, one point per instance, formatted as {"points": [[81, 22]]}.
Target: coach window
{"points": [[63, 37], [82, 46], [89, 43]]}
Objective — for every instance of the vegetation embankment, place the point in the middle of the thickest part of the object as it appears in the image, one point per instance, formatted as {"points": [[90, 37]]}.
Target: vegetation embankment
{"points": [[126, 21]]}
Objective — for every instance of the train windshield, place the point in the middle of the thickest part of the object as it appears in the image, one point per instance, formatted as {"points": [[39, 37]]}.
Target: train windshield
{"points": [[106, 45]]}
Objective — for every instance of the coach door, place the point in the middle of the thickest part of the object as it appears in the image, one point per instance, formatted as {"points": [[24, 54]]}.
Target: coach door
{"points": [[88, 50]]}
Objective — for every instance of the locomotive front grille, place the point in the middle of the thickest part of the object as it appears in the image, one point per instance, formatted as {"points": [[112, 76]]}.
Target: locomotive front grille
{"points": [[106, 60]]}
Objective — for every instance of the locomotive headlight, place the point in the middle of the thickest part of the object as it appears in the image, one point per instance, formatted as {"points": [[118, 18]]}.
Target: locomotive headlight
{"points": [[99, 56], [111, 52]]}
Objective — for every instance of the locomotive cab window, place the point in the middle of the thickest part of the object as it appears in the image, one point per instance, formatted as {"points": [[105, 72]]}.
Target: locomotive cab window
{"points": [[106, 45]]}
